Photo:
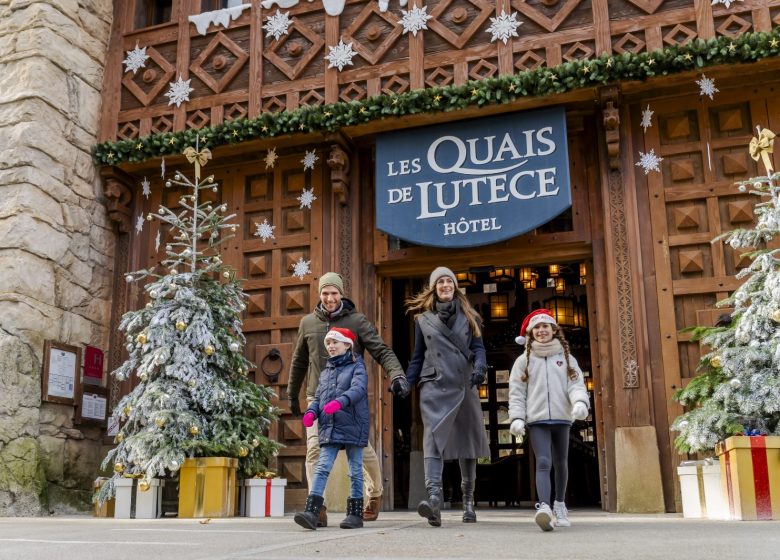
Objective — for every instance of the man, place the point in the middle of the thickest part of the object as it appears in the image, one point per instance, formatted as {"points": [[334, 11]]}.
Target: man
{"points": [[309, 357]]}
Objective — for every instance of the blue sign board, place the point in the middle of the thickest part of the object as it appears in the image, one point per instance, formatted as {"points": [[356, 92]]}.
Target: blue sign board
{"points": [[473, 182]]}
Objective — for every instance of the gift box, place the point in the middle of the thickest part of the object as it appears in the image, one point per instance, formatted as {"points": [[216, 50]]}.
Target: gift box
{"points": [[106, 509], [134, 503], [750, 475], [207, 487], [264, 497], [700, 489]]}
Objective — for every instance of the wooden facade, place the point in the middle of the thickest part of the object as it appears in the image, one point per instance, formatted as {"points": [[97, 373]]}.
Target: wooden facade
{"points": [[645, 238]]}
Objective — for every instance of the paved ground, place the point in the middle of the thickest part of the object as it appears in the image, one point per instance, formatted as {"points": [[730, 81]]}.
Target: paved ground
{"points": [[402, 535]]}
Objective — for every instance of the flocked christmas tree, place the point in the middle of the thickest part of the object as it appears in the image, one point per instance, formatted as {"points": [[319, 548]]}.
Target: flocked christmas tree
{"points": [[185, 346], [738, 391]]}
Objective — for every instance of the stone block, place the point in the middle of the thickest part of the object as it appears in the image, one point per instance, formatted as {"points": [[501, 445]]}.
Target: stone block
{"points": [[18, 267], [30, 200], [639, 490], [25, 232], [53, 456], [22, 78]]}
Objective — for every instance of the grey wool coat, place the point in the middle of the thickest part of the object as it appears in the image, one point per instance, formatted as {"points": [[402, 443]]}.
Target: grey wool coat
{"points": [[450, 407]]}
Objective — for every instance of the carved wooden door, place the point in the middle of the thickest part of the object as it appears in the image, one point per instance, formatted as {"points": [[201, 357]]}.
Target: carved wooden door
{"points": [[703, 144]]}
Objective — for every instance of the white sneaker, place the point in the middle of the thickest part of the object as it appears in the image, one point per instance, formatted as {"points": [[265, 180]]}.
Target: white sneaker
{"points": [[561, 514], [544, 517]]}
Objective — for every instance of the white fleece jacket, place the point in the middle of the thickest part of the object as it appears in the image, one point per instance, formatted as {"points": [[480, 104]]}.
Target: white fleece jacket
{"points": [[549, 394]]}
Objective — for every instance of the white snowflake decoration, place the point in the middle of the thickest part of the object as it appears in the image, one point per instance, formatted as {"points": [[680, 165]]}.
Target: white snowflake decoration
{"points": [[503, 27], [157, 242], [136, 59], [649, 161], [307, 198], [647, 116], [265, 231], [415, 19], [301, 268], [278, 24], [309, 160], [726, 3], [162, 168], [340, 55], [270, 158], [139, 225], [146, 187], [179, 91], [707, 87]]}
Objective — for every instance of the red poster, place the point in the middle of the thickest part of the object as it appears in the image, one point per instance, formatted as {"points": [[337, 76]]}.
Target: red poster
{"points": [[93, 362]]}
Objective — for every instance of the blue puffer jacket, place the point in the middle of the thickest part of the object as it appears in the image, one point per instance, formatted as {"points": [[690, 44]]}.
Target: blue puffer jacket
{"points": [[346, 381]]}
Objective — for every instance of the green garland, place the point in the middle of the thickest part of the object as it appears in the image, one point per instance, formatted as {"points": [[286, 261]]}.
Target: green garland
{"points": [[749, 47]]}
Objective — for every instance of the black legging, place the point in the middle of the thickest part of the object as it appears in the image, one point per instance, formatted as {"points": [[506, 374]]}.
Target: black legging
{"points": [[551, 447]]}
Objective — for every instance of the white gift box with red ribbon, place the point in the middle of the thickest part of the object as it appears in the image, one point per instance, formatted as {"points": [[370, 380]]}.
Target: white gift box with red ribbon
{"points": [[264, 497]]}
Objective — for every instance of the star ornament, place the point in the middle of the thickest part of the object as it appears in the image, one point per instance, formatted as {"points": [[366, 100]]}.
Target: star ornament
{"points": [[270, 158], [647, 116], [307, 198], [340, 56], [503, 27], [264, 231], [179, 91], [309, 160], [301, 268], [415, 20], [707, 87], [136, 59], [649, 161], [146, 187], [773, 43], [278, 24]]}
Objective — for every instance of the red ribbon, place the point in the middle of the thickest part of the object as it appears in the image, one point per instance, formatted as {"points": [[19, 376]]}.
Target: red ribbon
{"points": [[761, 477], [268, 497]]}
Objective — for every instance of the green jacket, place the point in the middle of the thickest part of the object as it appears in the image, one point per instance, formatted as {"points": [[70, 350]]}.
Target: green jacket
{"points": [[310, 355]]}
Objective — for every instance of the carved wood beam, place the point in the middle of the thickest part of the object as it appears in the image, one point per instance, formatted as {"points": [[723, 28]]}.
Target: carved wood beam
{"points": [[610, 101], [117, 187], [338, 161]]}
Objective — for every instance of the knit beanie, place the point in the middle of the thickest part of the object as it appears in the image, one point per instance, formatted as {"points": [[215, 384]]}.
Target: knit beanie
{"points": [[332, 279], [533, 319], [439, 272]]}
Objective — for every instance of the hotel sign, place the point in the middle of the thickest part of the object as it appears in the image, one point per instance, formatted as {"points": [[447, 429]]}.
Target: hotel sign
{"points": [[473, 182]]}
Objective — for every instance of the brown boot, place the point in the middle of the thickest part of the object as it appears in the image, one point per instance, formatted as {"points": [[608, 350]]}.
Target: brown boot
{"points": [[371, 511], [322, 521]]}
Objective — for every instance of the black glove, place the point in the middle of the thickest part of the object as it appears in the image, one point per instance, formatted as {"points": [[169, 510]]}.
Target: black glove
{"points": [[295, 407], [399, 386], [478, 377]]}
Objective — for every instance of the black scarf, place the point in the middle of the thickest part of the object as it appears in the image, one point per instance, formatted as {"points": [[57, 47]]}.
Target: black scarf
{"points": [[447, 311]]}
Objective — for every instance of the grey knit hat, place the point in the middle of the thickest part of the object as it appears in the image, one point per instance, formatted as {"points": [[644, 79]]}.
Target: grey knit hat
{"points": [[439, 272], [332, 279]]}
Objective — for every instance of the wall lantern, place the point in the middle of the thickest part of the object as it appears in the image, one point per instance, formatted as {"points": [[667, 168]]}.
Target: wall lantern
{"points": [[531, 284], [502, 274], [499, 306], [583, 274], [466, 278], [526, 273], [560, 285], [483, 391], [554, 270]]}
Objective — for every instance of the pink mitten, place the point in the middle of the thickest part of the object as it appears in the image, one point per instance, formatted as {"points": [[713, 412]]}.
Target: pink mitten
{"points": [[308, 419], [332, 407]]}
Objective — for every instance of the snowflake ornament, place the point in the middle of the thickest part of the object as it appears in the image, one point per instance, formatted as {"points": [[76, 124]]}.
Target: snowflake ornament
{"points": [[309, 159], [270, 158], [136, 59], [139, 225], [157, 242], [647, 116], [726, 3], [340, 55], [307, 198], [707, 87], [278, 25], [649, 161], [162, 168], [146, 188], [179, 91], [415, 20], [301, 268], [503, 27], [265, 231]]}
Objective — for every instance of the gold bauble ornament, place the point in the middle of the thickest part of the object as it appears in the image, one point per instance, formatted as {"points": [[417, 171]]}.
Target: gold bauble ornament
{"points": [[209, 349], [776, 315], [715, 362], [141, 338], [159, 421], [119, 467], [143, 485], [194, 430], [127, 410], [180, 325], [243, 451], [255, 443], [192, 383], [119, 438], [143, 376]]}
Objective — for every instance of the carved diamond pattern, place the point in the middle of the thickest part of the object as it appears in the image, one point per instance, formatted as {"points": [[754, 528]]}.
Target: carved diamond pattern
{"points": [[376, 25], [486, 9], [734, 26], [740, 211], [729, 119], [439, 78], [257, 304], [295, 220], [649, 6], [686, 217], [292, 258], [294, 300], [298, 32], [164, 68], [681, 170], [483, 69], [735, 164], [312, 97], [162, 124], [529, 61], [577, 51], [273, 105], [396, 84], [217, 61], [743, 261], [235, 112], [128, 131], [293, 472], [197, 119], [678, 127], [630, 43], [549, 23], [691, 261], [258, 266], [353, 92], [679, 35]]}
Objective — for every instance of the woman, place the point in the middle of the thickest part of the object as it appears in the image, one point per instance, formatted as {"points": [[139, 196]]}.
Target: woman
{"points": [[448, 363]]}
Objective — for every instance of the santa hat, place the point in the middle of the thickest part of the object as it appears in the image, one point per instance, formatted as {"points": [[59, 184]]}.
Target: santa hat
{"points": [[342, 335], [533, 319]]}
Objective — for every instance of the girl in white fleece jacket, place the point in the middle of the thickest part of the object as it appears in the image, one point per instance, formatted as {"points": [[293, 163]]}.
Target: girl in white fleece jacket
{"points": [[546, 393]]}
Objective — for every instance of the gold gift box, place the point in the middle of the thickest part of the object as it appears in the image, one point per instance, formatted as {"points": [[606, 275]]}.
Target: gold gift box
{"points": [[207, 487], [107, 508]]}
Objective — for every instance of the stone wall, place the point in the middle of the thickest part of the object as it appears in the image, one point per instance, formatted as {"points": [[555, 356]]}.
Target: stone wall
{"points": [[56, 242]]}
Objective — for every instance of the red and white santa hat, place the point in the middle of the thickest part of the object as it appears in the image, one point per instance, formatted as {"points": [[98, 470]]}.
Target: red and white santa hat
{"points": [[533, 319], [342, 335]]}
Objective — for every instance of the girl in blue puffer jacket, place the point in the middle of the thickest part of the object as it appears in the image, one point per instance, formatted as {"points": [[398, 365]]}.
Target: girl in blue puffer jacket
{"points": [[341, 408]]}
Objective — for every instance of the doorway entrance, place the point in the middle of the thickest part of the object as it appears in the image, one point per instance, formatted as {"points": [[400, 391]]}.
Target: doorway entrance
{"points": [[503, 296]]}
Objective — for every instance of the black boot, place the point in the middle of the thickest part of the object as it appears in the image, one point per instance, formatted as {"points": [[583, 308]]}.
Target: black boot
{"points": [[469, 515], [431, 508], [308, 518], [354, 518]]}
